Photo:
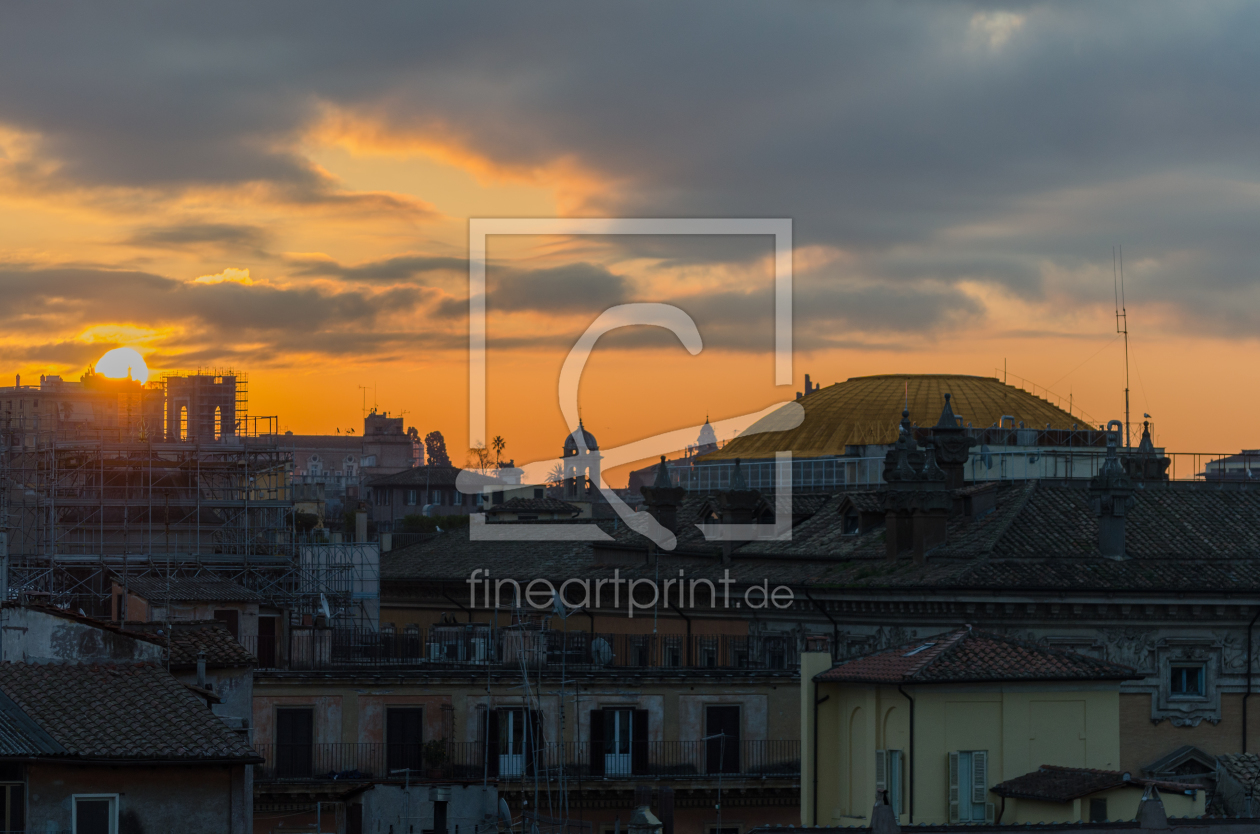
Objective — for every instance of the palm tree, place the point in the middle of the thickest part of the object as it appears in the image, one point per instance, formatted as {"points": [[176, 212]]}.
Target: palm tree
{"points": [[498, 444]]}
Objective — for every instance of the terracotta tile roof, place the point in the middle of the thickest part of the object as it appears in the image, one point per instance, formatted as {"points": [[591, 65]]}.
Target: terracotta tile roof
{"points": [[1245, 767], [1050, 783], [972, 655], [189, 589], [135, 711], [188, 637]]}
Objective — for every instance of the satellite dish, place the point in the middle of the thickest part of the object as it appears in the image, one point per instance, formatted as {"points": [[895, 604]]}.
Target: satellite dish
{"points": [[601, 651], [985, 456], [323, 605], [505, 813], [558, 606]]}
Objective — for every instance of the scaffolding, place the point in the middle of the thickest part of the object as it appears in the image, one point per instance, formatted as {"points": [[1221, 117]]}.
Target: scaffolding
{"points": [[83, 513]]}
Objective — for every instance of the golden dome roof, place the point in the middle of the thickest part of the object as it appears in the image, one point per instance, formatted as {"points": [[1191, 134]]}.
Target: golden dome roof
{"points": [[867, 410]]}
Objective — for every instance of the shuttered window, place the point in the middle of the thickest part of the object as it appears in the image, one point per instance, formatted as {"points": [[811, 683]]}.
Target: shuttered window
{"points": [[890, 778], [969, 787]]}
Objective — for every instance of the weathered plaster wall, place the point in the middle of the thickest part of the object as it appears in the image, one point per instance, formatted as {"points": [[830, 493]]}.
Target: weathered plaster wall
{"points": [[234, 686], [151, 800], [469, 806], [327, 722], [31, 636]]}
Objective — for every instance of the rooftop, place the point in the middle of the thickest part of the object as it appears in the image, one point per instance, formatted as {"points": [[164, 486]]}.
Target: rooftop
{"points": [[134, 711], [970, 655], [189, 589], [191, 637], [1064, 784]]}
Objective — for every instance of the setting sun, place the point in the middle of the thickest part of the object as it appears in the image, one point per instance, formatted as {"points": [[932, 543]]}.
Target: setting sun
{"points": [[121, 363]]}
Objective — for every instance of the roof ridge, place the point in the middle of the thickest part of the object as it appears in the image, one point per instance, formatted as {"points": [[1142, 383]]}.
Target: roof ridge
{"points": [[956, 639]]}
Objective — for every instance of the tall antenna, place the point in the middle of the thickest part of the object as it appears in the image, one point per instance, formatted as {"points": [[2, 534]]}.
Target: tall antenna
{"points": [[1122, 327]]}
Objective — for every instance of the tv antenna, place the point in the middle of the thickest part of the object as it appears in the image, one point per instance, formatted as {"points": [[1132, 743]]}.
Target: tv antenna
{"points": [[1122, 328]]}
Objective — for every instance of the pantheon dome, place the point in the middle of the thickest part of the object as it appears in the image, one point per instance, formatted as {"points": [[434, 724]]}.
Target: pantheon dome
{"points": [[866, 410]]}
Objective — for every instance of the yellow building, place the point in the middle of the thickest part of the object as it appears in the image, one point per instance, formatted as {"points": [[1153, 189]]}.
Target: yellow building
{"points": [[937, 723]]}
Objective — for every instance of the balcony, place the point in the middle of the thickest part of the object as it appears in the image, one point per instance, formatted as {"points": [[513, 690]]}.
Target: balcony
{"points": [[456, 647], [584, 761]]}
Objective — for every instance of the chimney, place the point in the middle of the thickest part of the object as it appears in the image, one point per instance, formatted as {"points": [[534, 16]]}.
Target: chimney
{"points": [[1145, 465], [1111, 495], [201, 669], [662, 498], [737, 504], [916, 502], [952, 445]]}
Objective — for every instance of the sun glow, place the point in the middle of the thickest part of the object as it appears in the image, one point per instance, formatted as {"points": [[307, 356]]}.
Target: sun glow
{"points": [[121, 363]]}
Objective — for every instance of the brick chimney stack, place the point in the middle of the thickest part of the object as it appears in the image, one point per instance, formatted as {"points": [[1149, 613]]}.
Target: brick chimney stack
{"points": [[1111, 495], [662, 498], [917, 501]]}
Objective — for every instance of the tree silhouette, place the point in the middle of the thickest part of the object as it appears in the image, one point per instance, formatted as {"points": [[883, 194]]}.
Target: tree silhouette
{"points": [[435, 449]]}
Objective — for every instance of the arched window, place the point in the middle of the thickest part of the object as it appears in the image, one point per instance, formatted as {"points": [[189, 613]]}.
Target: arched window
{"points": [[183, 422], [218, 423]]}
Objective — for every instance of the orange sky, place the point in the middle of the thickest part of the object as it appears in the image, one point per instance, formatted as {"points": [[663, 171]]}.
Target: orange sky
{"points": [[355, 278]]}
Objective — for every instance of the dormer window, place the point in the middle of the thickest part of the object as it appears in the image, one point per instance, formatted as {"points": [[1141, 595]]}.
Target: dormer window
{"points": [[849, 523]]}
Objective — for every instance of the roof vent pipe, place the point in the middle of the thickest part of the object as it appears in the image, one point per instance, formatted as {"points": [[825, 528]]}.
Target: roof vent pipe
{"points": [[201, 670]]}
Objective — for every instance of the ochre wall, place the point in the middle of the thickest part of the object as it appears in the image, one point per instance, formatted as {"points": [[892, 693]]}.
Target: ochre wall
{"points": [[1021, 727]]}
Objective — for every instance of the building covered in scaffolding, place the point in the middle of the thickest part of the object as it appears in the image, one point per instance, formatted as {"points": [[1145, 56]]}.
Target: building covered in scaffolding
{"points": [[109, 478]]}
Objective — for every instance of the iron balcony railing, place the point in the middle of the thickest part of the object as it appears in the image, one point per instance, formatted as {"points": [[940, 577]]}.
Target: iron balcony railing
{"points": [[705, 759], [475, 645]]}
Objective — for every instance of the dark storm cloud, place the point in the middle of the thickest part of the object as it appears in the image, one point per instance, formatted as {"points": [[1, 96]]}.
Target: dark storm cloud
{"points": [[562, 289], [876, 127], [226, 236], [400, 268], [218, 318]]}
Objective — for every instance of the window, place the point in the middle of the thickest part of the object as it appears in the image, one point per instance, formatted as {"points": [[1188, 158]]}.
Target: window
{"points": [[411, 498], [890, 773], [1186, 681], [95, 814], [183, 422], [294, 742], [458, 499], [619, 741], [435, 497], [721, 730], [404, 738], [850, 525], [1098, 810], [969, 787], [13, 807], [218, 423], [538, 492]]}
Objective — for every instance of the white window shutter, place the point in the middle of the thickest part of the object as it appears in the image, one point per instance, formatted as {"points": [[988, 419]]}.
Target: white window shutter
{"points": [[953, 787], [980, 776], [989, 812], [881, 773]]}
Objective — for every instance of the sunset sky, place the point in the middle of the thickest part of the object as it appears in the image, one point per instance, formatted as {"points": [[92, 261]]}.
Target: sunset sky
{"points": [[288, 193]]}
